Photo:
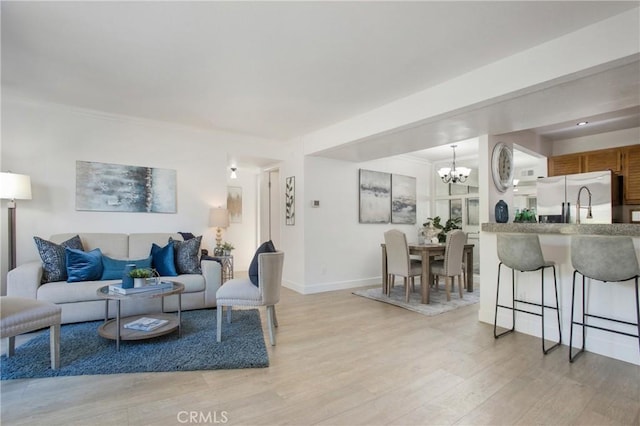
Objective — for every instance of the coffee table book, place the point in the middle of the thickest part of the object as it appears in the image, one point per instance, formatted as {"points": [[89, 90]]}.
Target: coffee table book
{"points": [[117, 288], [146, 324]]}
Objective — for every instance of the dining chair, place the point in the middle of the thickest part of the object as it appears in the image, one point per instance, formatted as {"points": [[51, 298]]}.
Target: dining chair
{"points": [[451, 265], [242, 292], [399, 263]]}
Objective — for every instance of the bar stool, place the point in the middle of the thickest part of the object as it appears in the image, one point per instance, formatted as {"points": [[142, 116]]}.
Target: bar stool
{"points": [[522, 252], [606, 259]]}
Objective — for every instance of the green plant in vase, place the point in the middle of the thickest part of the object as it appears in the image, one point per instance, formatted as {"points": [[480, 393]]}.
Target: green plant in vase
{"points": [[227, 247], [450, 224], [141, 273]]}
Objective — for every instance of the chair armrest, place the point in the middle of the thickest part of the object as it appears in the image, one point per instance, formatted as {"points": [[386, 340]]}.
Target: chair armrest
{"points": [[212, 273], [24, 280]]}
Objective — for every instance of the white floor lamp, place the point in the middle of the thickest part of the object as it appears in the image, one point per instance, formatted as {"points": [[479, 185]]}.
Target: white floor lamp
{"points": [[13, 187]]}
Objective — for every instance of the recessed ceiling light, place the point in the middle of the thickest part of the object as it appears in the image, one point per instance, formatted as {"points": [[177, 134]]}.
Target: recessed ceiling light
{"points": [[582, 123]]}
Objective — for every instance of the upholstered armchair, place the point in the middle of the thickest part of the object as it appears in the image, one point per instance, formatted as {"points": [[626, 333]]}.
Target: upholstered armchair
{"points": [[242, 292]]}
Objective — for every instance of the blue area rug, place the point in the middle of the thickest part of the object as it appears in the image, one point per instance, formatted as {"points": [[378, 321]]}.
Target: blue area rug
{"points": [[83, 351]]}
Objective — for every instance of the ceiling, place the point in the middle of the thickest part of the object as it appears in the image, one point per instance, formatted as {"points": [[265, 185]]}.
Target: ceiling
{"points": [[275, 70]]}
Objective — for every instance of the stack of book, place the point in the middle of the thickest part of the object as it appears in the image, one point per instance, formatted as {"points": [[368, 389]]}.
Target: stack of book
{"points": [[146, 324], [117, 288]]}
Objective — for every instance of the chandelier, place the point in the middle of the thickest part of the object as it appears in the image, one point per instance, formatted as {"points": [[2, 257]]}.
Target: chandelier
{"points": [[454, 174]]}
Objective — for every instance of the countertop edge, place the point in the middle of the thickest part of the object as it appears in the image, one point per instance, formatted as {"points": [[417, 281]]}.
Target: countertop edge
{"points": [[616, 229]]}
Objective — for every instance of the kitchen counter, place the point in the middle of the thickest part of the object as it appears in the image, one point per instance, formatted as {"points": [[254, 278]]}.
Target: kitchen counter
{"points": [[619, 229], [555, 242]]}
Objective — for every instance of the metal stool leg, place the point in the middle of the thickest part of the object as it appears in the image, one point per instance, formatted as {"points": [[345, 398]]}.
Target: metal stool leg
{"points": [[638, 311], [513, 304], [555, 283], [572, 356]]}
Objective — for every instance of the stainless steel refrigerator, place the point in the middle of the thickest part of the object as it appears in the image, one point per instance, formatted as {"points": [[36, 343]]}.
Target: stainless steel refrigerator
{"points": [[557, 198]]}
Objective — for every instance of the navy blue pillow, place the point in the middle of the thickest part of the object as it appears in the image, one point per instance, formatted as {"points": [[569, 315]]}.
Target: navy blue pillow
{"points": [[112, 269], [83, 265], [162, 260], [266, 247]]}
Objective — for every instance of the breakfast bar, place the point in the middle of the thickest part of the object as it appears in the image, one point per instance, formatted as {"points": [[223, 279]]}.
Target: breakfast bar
{"points": [[555, 240]]}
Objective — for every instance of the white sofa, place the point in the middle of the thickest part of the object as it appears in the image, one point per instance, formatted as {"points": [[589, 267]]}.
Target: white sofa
{"points": [[79, 301]]}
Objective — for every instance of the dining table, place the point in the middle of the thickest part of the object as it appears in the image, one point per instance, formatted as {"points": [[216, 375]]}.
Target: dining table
{"points": [[427, 252]]}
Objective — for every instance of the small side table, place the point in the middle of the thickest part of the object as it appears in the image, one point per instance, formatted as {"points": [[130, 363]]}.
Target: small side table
{"points": [[227, 266]]}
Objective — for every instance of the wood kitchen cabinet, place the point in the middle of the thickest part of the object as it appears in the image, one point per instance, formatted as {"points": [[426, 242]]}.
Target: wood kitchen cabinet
{"points": [[564, 164], [603, 159], [583, 162], [631, 172]]}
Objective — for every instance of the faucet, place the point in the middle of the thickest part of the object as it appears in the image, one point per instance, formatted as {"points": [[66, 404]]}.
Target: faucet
{"points": [[589, 215]]}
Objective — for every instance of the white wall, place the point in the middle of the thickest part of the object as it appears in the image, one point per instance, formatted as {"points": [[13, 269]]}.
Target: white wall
{"points": [[340, 252], [594, 142], [45, 141]]}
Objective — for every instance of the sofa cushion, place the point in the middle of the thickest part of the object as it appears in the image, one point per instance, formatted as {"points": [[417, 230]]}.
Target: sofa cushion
{"points": [[62, 292], [140, 244], [83, 265], [187, 255], [163, 260], [266, 247], [112, 269], [114, 245], [54, 259]]}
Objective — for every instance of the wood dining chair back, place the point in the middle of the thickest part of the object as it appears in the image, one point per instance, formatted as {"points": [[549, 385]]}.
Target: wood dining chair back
{"points": [[451, 265], [399, 263]]}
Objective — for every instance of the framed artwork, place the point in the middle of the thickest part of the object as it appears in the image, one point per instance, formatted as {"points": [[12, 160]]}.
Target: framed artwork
{"points": [[234, 204], [455, 208], [473, 211], [290, 200], [403, 199], [375, 196], [120, 188]]}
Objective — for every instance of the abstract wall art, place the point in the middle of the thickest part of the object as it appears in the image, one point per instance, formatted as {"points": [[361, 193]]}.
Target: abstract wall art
{"points": [[403, 199], [121, 188], [290, 200], [375, 196], [234, 204]]}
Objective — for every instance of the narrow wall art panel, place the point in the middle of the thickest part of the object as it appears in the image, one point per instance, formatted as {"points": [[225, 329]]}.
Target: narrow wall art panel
{"points": [[119, 188], [290, 201], [375, 196], [403, 199], [234, 204]]}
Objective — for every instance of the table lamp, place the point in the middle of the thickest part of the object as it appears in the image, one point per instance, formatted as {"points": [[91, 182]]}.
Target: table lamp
{"points": [[218, 218], [14, 187]]}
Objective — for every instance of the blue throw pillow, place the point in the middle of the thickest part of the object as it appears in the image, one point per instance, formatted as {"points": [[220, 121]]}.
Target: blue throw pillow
{"points": [[266, 247], [54, 259], [162, 260], [112, 269], [83, 265]]}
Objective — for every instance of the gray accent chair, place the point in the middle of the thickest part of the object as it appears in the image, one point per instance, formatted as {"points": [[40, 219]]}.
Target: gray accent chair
{"points": [[522, 252], [606, 259], [451, 265], [399, 263], [242, 292], [19, 315]]}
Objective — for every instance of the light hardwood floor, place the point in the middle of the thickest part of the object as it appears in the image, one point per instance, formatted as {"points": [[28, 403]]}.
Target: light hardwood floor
{"points": [[345, 360]]}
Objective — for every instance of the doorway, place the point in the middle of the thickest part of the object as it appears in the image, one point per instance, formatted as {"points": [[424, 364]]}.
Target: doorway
{"points": [[270, 206]]}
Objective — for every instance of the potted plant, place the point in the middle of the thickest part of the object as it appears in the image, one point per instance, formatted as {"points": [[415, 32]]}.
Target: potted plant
{"points": [[227, 247], [140, 276], [450, 224]]}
